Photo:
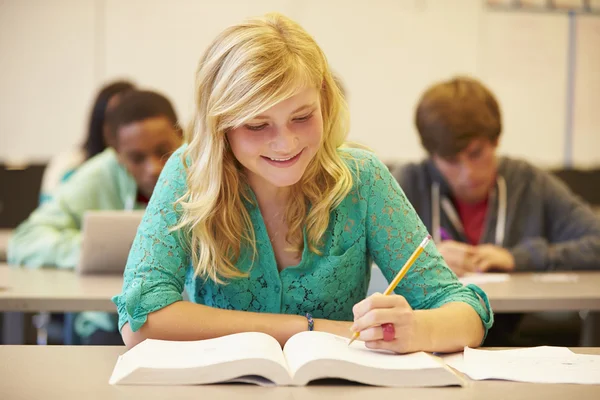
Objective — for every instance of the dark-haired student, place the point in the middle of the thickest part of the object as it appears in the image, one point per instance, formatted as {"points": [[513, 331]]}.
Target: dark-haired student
{"points": [[62, 166], [144, 132]]}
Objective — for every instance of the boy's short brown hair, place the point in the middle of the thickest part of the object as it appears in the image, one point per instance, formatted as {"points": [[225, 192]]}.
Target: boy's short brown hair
{"points": [[453, 113]]}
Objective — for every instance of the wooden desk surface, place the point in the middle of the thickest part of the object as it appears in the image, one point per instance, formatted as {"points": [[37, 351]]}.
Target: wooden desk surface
{"points": [[23, 289], [79, 372], [527, 292], [4, 235]]}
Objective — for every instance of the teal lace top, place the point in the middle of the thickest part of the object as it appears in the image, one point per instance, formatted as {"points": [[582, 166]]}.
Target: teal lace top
{"points": [[375, 222]]}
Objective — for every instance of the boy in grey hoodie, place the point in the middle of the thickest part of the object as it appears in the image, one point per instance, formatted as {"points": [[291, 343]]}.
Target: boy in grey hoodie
{"points": [[490, 213]]}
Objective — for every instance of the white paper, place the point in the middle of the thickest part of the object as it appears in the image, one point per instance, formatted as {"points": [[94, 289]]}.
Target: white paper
{"points": [[535, 365], [555, 277], [456, 360], [481, 278]]}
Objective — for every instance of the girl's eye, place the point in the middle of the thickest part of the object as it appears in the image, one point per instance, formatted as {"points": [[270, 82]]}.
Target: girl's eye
{"points": [[304, 118], [256, 127]]}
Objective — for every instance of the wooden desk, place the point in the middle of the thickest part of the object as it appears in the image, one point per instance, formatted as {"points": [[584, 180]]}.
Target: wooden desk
{"points": [[29, 290], [65, 372], [33, 290], [4, 235], [23, 289], [528, 292]]}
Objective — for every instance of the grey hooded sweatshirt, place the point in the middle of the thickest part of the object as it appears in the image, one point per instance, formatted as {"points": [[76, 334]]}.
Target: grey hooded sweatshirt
{"points": [[530, 212]]}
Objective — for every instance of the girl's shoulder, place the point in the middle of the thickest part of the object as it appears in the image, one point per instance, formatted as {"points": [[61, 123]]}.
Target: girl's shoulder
{"points": [[364, 165]]}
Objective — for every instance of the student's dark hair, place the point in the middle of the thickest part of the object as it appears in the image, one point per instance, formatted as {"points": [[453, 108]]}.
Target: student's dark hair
{"points": [[138, 105], [451, 114], [95, 143]]}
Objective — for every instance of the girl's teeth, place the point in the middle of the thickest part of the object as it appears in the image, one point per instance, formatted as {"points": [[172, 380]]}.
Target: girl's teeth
{"points": [[281, 159]]}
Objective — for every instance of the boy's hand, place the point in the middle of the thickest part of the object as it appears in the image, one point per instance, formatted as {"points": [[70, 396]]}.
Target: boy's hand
{"points": [[490, 257], [458, 256]]}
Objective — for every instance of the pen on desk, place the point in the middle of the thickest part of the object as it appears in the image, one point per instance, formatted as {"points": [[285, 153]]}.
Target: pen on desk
{"points": [[390, 289]]}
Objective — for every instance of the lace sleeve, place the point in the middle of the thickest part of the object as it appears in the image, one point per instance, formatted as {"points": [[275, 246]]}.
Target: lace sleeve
{"points": [[394, 230], [155, 273]]}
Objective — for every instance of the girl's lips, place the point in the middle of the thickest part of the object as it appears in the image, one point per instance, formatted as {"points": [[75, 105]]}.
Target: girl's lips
{"points": [[285, 163]]}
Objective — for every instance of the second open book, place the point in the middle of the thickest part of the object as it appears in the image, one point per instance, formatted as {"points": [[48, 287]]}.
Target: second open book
{"points": [[258, 358]]}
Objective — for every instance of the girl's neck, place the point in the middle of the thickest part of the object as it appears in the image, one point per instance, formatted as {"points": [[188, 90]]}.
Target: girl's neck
{"points": [[267, 194]]}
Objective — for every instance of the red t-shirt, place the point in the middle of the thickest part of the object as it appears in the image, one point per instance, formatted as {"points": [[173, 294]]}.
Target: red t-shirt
{"points": [[472, 217], [141, 199]]}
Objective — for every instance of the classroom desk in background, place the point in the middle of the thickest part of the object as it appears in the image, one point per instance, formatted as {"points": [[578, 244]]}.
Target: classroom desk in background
{"points": [[4, 235], [539, 292], [65, 372], [33, 290], [548, 291], [532, 292], [27, 290]]}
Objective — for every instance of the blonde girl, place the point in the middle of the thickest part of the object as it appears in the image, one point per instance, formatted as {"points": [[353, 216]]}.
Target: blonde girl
{"points": [[271, 224]]}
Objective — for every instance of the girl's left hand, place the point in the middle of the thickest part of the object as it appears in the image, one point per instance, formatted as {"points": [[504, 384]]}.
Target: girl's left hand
{"points": [[399, 322]]}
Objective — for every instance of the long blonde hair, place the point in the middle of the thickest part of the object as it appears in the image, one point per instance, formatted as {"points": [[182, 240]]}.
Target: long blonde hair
{"points": [[247, 69]]}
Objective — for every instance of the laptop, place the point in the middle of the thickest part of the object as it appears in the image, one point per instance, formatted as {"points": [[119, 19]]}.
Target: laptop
{"points": [[107, 237]]}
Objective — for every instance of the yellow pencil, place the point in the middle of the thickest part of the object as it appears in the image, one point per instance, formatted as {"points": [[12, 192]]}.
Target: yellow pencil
{"points": [[390, 289]]}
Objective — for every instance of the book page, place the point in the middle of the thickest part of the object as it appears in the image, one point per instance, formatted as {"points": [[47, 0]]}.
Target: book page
{"points": [[177, 355], [319, 355], [546, 365], [309, 346]]}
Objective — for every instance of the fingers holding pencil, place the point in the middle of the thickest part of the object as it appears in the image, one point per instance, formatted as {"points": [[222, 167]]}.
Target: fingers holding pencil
{"points": [[386, 322], [374, 310]]}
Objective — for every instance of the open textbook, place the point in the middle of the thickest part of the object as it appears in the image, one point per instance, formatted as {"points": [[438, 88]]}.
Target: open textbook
{"points": [[258, 358]]}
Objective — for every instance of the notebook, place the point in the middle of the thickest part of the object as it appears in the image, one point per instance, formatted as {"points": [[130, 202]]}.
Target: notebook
{"points": [[107, 237], [257, 358]]}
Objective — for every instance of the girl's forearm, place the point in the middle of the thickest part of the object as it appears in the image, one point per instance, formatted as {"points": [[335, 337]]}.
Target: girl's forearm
{"points": [[189, 321]]}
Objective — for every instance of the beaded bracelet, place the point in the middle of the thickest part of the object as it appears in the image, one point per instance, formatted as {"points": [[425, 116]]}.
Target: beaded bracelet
{"points": [[311, 323]]}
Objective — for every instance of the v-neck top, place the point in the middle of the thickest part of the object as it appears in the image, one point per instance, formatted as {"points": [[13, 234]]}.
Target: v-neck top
{"points": [[373, 223]]}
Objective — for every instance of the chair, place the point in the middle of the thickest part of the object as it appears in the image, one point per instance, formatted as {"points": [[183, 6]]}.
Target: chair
{"points": [[19, 192]]}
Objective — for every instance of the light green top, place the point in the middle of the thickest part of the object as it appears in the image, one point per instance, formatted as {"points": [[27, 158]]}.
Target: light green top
{"points": [[374, 222], [51, 236]]}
